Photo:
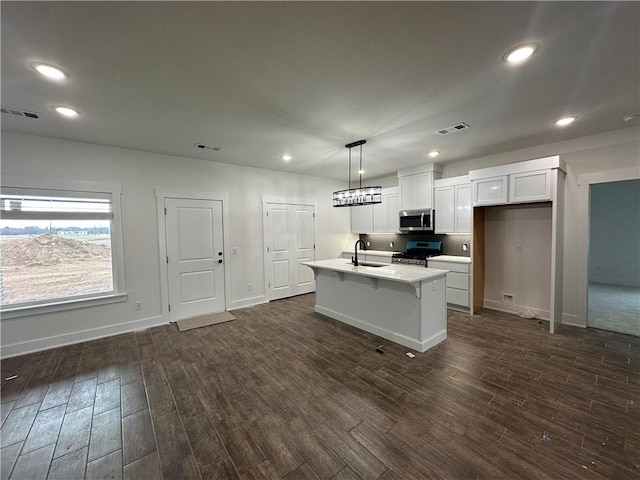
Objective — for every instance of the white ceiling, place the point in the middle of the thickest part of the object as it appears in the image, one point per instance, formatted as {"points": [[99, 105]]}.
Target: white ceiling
{"points": [[258, 79]]}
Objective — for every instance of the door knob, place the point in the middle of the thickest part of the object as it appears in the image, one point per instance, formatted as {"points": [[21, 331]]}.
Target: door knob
{"points": [[219, 253], [219, 261]]}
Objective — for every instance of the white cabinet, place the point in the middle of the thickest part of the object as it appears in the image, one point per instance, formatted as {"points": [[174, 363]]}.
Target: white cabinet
{"points": [[416, 191], [416, 186], [378, 218], [453, 205], [445, 209], [520, 187], [362, 219], [393, 213], [522, 182], [490, 191], [386, 214], [463, 208], [530, 186], [458, 281]]}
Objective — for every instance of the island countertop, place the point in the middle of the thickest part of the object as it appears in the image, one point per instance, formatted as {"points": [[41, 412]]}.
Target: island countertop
{"points": [[393, 272]]}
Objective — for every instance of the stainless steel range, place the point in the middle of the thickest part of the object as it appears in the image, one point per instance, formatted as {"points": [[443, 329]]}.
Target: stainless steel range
{"points": [[417, 253]]}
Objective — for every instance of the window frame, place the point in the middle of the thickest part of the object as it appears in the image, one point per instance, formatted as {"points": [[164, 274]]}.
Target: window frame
{"points": [[79, 188]]}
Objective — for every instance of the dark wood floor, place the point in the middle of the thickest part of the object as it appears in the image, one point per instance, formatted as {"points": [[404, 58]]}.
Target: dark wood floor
{"points": [[285, 393]]}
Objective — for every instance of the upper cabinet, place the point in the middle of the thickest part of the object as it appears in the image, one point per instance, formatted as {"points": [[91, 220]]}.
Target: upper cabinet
{"points": [[379, 218], [530, 186], [452, 198], [362, 219], [416, 186], [386, 214], [522, 182], [490, 191]]}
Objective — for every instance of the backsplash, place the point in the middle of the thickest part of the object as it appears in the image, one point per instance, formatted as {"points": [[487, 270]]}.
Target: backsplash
{"points": [[451, 244]]}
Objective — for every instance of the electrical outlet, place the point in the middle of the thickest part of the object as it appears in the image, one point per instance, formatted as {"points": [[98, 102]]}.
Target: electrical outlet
{"points": [[137, 306], [465, 247], [507, 298], [368, 244], [234, 251], [392, 244], [250, 287], [518, 248]]}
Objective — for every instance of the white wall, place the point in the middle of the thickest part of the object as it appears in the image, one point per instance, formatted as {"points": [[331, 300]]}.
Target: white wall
{"points": [[140, 173], [518, 257], [614, 251]]}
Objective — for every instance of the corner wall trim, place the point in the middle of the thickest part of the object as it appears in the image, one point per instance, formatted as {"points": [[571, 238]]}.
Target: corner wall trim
{"points": [[32, 346]]}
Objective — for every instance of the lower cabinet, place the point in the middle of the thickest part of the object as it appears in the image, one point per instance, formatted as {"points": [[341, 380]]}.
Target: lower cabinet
{"points": [[458, 281]]}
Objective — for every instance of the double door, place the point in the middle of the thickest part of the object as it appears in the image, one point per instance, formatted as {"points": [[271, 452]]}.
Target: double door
{"points": [[289, 241]]}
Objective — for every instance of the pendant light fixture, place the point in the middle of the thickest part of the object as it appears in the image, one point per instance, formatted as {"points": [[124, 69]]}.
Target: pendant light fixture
{"points": [[360, 195]]}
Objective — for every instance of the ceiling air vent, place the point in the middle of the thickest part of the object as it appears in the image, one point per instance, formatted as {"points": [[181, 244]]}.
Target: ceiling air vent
{"points": [[454, 128], [19, 113], [202, 146]]}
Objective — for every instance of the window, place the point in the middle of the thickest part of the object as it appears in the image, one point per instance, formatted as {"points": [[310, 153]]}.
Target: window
{"points": [[58, 247]]}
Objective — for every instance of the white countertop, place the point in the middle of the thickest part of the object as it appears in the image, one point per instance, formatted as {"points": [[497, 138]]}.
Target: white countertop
{"points": [[394, 272], [381, 253], [450, 258]]}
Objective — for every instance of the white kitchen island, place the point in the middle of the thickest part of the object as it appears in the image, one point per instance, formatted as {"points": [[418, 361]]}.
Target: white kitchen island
{"points": [[404, 304]]}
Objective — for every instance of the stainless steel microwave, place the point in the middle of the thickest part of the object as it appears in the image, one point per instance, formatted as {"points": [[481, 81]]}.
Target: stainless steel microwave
{"points": [[417, 220]]}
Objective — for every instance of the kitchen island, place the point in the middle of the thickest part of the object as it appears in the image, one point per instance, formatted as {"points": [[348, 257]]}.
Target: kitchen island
{"points": [[404, 304]]}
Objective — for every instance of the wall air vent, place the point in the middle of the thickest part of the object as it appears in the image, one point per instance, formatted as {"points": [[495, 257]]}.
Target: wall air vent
{"points": [[454, 128], [19, 113], [202, 146]]}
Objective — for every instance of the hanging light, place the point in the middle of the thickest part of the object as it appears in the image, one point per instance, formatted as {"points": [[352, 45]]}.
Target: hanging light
{"points": [[354, 197]]}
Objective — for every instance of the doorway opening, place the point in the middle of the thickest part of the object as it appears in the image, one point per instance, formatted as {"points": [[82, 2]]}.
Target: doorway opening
{"points": [[614, 257]]}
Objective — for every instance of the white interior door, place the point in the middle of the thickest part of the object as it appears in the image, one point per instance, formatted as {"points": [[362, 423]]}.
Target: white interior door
{"points": [[289, 241], [195, 267]]}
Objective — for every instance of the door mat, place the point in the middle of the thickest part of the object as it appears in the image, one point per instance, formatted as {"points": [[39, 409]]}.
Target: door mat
{"points": [[204, 321]]}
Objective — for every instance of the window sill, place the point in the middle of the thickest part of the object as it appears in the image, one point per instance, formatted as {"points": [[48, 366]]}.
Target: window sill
{"points": [[62, 306]]}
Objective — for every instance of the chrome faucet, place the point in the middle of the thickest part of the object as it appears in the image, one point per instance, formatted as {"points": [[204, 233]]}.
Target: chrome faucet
{"points": [[364, 247]]}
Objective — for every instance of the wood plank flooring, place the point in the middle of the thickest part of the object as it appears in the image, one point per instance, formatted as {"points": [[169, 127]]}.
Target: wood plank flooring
{"points": [[284, 393]]}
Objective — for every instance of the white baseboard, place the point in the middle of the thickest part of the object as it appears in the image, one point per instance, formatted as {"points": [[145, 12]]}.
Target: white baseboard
{"points": [[503, 307], [247, 302], [32, 346]]}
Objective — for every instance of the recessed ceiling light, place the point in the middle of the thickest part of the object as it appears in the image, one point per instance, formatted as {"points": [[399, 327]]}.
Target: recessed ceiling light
{"points": [[360, 172], [520, 54], [564, 121], [434, 153], [67, 111], [630, 118], [286, 157], [50, 71]]}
